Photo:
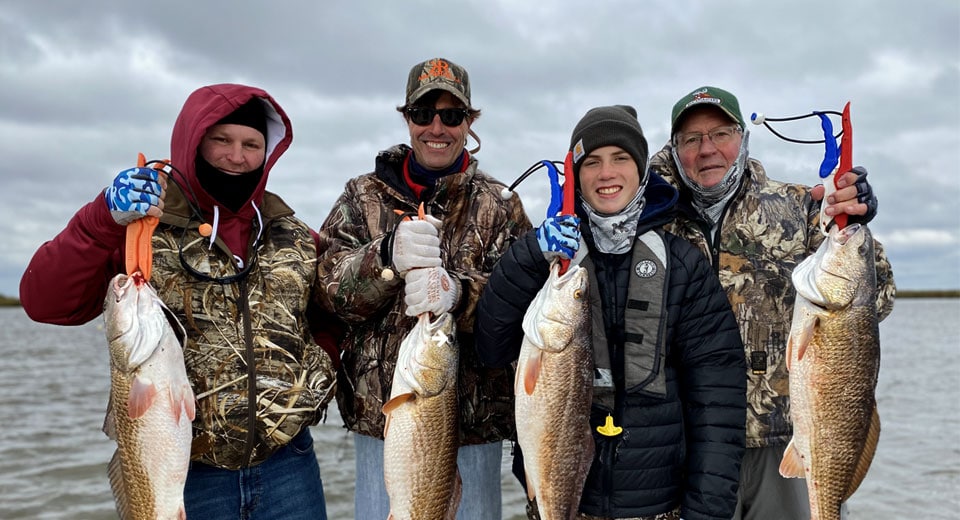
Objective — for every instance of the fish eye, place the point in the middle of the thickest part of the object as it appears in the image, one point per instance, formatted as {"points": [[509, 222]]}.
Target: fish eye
{"points": [[578, 294]]}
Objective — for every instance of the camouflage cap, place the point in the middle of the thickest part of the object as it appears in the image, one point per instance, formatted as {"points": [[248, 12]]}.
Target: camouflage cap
{"points": [[438, 74], [718, 97]]}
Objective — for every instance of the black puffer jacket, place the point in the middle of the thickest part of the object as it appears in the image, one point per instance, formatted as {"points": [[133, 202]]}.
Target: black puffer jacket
{"points": [[679, 450]]}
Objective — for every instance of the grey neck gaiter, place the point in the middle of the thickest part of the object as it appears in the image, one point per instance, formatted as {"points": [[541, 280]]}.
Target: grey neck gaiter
{"points": [[614, 233]]}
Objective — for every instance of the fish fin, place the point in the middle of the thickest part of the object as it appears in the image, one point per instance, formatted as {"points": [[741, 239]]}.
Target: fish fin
{"points": [[395, 402], [142, 394], [455, 498], [182, 402], [118, 486], [789, 353], [110, 420], [806, 336], [866, 456], [792, 465], [532, 373], [190, 403], [516, 379], [181, 513], [588, 450], [586, 459], [531, 492]]}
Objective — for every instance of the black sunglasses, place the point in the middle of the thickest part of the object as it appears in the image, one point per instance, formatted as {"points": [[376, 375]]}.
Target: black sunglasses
{"points": [[423, 116]]}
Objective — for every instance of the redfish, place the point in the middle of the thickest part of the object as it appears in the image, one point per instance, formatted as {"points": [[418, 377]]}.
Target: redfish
{"points": [[151, 404]]}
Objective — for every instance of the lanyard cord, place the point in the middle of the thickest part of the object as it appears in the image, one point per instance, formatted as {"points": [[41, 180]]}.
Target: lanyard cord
{"points": [[760, 119], [191, 197]]}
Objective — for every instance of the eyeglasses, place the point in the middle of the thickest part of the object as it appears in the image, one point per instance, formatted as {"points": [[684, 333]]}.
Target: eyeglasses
{"points": [[423, 116], [718, 136]]}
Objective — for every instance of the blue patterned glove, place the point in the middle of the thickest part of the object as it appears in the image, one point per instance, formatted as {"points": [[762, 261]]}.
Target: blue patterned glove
{"points": [[132, 193], [559, 236]]}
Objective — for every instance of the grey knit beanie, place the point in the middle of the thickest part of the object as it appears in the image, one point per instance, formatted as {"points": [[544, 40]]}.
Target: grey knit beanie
{"points": [[615, 125]]}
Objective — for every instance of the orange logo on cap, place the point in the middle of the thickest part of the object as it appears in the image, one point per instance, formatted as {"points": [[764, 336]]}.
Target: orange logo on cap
{"points": [[438, 69], [702, 96]]}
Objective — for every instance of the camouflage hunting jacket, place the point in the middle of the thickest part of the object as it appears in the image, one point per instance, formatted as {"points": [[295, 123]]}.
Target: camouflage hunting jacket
{"points": [[477, 227], [765, 231], [253, 327]]}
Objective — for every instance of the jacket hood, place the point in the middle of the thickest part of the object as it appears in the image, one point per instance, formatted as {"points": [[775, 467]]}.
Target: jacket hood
{"points": [[661, 198], [202, 109]]}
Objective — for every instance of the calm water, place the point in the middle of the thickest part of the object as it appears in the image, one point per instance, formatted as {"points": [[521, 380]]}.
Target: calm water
{"points": [[54, 383]]}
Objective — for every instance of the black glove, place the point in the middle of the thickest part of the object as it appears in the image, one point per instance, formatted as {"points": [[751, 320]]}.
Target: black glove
{"points": [[865, 196]]}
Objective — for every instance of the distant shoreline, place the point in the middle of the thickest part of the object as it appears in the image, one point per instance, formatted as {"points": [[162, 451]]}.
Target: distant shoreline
{"points": [[952, 293], [6, 301]]}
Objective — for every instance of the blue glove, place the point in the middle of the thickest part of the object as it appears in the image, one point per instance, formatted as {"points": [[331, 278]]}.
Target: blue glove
{"points": [[864, 195], [559, 236], [132, 193]]}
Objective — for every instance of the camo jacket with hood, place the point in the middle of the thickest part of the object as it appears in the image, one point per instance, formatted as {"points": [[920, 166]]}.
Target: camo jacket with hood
{"points": [[478, 225], [766, 229], [246, 333]]}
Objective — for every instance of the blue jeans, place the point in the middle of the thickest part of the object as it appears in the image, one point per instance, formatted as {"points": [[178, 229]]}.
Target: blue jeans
{"points": [[286, 486], [479, 467]]}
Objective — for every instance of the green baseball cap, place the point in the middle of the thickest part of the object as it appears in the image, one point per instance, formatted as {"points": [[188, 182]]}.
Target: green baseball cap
{"points": [[438, 74], [712, 95]]}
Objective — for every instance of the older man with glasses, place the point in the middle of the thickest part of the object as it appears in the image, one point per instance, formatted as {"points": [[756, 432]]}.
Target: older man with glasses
{"points": [[381, 270], [755, 230]]}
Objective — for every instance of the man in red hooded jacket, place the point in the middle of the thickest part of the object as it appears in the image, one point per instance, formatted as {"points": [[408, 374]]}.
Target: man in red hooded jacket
{"points": [[236, 266]]}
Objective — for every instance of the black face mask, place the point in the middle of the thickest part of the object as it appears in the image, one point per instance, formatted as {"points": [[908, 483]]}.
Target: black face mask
{"points": [[232, 191]]}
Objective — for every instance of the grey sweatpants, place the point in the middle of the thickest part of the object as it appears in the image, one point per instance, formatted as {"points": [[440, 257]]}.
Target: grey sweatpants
{"points": [[764, 494]]}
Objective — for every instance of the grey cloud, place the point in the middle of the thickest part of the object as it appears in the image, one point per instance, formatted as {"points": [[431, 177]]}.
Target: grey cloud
{"points": [[86, 86]]}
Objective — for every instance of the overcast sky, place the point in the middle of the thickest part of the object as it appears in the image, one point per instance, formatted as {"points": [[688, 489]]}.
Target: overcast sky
{"points": [[87, 85]]}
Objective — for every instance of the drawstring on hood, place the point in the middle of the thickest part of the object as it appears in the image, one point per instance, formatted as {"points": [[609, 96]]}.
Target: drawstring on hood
{"points": [[216, 225]]}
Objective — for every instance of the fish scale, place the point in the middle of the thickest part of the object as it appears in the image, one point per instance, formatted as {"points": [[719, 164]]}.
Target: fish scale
{"points": [[833, 362]]}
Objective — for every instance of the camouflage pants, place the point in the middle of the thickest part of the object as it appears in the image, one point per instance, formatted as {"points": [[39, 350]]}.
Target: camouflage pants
{"points": [[533, 514]]}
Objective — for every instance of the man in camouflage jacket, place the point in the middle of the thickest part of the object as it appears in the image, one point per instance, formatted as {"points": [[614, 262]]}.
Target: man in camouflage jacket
{"points": [[755, 231], [363, 286]]}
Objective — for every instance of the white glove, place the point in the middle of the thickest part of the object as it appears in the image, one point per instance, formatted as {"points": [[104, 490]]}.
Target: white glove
{"points": [[416, 243], [430, 289]]}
